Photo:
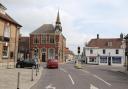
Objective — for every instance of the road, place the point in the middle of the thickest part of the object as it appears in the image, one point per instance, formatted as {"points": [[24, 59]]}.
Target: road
{"points": [[90, 77]]}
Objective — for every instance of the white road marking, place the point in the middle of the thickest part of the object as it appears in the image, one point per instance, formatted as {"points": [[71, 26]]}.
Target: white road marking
{"points": [[63, 70], [50, 87], [85, 71], [102, 80], [93, 87], [71, 79], [68, 75]]}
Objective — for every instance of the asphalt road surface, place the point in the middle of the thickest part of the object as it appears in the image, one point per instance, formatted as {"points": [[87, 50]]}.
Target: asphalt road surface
{"points": [[90, 77]]}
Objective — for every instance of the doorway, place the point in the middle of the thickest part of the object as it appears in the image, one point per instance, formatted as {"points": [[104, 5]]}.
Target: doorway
{"points": [[43, 57]]}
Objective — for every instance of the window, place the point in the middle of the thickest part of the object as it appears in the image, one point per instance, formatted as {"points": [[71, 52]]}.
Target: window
{"points": [[91, 51], [43, 50], [51, 53], [43, 39], [117, 51], [36, 40], [116, 60], [52, 39], [103, 59], [5, 51], [109, 44], [104, 51], [92, 59], [7, 32]]}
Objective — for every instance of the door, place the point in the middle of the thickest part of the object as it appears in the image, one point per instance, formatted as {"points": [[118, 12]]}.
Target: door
{"points": [[109, 60], [43, 57]]}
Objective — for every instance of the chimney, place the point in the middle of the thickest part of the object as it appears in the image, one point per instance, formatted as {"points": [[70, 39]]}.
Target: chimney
{"points": [[97, 36]]}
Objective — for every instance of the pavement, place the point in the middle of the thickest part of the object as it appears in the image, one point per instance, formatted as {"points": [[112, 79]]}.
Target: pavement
{"points": [[9, 76]]}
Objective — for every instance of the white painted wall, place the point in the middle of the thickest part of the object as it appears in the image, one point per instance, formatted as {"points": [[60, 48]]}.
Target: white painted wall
{"points": [[109, 52]]}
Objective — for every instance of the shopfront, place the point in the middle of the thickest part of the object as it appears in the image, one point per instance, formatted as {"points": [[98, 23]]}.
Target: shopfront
{"points": [[111, 60], [92, 60]]}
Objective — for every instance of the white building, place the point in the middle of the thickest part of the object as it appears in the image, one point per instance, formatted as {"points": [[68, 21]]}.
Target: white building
{"points": [[69, 55], [108, 51]]}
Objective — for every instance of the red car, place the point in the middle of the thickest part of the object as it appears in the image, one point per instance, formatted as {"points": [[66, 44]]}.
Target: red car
{"points": [[52, 63]]}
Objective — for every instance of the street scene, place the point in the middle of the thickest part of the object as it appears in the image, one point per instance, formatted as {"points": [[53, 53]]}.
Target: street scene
{"points": [[67, 44], [90, 77]]}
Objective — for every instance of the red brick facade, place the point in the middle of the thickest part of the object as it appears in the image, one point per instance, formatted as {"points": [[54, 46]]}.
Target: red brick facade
{"points": [[49, 41]]}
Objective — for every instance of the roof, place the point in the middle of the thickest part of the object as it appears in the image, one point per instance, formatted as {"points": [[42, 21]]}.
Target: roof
{"points": [[3, 6], [103, 43], [126, 37], [8, 18], [46, 28]]}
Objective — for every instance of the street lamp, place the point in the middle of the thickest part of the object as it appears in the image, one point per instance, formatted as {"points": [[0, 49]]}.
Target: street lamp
{"points": [[98, 56], [109, 59]]}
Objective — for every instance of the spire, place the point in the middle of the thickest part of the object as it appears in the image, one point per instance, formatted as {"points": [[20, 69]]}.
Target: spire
{"points": [[58, 23], [58, 18]]}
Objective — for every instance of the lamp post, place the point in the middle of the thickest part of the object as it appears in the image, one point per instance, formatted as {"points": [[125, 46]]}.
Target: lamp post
{"points": [[109, 59], [36, 56], [98, 56]]}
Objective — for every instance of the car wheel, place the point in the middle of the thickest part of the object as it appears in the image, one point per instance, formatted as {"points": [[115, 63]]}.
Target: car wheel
{"points": [[18, 66]]}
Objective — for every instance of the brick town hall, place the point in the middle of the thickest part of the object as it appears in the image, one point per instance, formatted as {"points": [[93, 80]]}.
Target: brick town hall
{"points": [[49, 42]]}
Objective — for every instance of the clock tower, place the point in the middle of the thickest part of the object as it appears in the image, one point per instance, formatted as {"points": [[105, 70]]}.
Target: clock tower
{"points": [[58, 26]]}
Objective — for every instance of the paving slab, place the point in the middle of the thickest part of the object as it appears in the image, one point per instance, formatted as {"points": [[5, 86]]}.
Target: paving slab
{"points": [[9, 76]]}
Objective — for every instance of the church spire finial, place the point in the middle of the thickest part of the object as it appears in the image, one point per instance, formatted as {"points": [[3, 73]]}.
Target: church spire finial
{"points": [[58, 18]]}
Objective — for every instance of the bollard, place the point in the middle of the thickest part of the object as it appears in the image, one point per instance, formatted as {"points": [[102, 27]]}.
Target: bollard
{"points": [[18, 80], [32, 75], [36, 70]]}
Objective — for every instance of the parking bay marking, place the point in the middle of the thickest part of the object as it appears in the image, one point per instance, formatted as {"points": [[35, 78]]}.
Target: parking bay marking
{"points": [[63, 70], [71, 79], [97, 77], [50, 87], [102, 80], [93, 87], [85, 71]]}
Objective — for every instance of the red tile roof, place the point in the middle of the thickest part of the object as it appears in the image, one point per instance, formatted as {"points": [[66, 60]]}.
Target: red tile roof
{"points": [[103, 43]]}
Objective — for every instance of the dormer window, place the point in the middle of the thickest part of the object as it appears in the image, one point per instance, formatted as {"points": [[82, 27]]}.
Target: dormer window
{"points": [[109, 44]]}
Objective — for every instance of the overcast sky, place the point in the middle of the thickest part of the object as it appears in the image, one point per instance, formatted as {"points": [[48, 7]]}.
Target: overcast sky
{"points": [[81, 19]]}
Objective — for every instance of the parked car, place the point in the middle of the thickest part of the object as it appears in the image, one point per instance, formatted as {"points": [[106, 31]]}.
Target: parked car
{"points": [[26, 63], [52, 63]]}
